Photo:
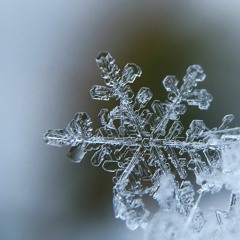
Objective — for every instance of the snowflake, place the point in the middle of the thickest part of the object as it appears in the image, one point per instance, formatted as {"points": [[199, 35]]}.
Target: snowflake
{"points": [[145, 147]]}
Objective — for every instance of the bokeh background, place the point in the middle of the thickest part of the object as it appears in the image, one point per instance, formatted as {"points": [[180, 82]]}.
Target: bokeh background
{"points": [[47, 67]]}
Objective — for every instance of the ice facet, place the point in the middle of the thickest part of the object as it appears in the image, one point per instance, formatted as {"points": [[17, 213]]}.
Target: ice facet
{"points": [[108, 69], [170, 83], [101, 92], [200, 98], [130, 72], [143, 97]]}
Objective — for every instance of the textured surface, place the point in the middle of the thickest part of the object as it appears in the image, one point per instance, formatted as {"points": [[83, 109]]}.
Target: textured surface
{"points": [[143, 143]]}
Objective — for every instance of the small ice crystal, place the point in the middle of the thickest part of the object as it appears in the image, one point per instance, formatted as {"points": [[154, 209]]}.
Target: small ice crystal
{"points": [[148, 153]]}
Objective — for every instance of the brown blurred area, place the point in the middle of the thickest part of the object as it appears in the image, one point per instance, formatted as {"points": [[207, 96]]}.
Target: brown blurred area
{"points": [[47, 69]]}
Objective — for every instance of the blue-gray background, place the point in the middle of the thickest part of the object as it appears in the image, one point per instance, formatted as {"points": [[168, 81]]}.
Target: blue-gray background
{"points": [[47, 51]]}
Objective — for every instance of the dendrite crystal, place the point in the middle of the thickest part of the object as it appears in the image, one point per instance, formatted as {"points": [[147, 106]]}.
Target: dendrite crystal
{"points": [[143, 143]]}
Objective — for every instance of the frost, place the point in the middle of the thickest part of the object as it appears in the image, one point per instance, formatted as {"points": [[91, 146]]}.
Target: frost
{"points": [[142, 142]]}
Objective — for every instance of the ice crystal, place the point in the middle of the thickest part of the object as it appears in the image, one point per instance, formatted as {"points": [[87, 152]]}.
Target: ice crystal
{"points": [[143, 143]]}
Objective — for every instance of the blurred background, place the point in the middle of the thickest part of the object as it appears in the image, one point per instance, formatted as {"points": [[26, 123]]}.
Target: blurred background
{"points": [[47, 67]]}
